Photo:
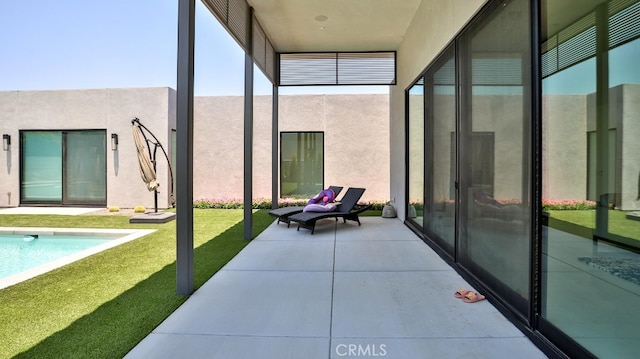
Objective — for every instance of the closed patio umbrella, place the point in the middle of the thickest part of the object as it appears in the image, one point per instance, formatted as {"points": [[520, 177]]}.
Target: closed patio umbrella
{"points": [[147, 170]]}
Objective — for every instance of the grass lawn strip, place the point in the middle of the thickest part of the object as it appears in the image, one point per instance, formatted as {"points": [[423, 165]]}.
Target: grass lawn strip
{"points": [[103, 305], [586, 220]]}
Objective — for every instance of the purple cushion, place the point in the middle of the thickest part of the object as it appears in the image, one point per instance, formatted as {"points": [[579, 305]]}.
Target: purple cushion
{"points": [[326, 196], [317, 207]]}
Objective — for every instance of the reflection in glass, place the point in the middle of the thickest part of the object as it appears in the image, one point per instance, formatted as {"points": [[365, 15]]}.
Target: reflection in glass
{"points": [[591, 180], [440, 92], [415, 140], [41, 166], [495, 238]]}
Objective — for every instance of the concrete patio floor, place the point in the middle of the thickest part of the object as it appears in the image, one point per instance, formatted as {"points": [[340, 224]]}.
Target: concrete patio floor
{"points": [[346, 291]]}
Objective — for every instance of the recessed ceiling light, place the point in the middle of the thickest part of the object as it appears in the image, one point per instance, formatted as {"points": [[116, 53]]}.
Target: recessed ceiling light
{"points": [[321, 18]]}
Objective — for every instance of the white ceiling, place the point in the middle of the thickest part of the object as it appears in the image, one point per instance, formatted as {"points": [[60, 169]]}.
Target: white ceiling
{"points": [[350, 25], [368, 25]]}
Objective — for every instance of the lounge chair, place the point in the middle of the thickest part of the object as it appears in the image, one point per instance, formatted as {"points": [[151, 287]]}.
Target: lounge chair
{"points": [[283, 213], [348, 209]]}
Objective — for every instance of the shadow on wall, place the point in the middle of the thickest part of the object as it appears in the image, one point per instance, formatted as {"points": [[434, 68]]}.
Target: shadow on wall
{"points": [[8, 156], [116, 163]]}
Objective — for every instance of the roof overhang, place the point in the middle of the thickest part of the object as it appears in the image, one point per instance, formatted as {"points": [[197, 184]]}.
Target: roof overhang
{"points": [[334, 25], [319, 42], [315, 28], [367, 25]]}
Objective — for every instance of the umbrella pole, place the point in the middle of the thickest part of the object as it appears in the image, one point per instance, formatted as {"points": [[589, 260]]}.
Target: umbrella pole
{"points": [[155, 191]]}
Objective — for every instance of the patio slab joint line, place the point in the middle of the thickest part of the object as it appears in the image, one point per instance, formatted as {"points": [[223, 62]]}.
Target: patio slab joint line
{"points": [[333, 285]]}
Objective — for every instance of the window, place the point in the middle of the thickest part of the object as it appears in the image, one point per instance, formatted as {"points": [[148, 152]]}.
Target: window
{"points": [[301, 163]]}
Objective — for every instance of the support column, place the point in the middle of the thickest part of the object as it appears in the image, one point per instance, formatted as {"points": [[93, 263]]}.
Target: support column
{"points": [[248, 130], [602, 121], [184, 150], [275, 178]]}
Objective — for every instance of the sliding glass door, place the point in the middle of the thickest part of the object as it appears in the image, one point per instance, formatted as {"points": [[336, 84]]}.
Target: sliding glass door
{"points": [[495, 237], [63, 167], [591, 176], [85, 167], [41, 166], [441, 151], [542, 212]]}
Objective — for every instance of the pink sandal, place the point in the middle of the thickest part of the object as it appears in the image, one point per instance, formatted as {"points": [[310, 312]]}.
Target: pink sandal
{"points": [[472, 297], [461, 293]]}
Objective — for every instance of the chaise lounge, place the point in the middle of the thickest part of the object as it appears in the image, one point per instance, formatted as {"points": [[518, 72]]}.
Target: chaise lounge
{"points": [[348, 209], [283, 213]]}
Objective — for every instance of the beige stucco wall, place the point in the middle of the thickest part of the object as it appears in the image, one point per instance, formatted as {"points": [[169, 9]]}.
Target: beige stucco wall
{"points": [[9, 160], [356, 137], [502, 116], [355, 126], [153, 107], [629, 144], [108, 109], [218, 147], [434, 25], [567, 120], [505, 125], [624, 105]]}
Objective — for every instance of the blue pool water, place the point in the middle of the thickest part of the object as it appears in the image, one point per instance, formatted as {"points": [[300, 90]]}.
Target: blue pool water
{"points": [[19, 252]]}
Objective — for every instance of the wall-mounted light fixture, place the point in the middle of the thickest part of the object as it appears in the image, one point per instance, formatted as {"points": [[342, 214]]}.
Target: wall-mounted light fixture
{"points": [[6, 142], [114, 142]]}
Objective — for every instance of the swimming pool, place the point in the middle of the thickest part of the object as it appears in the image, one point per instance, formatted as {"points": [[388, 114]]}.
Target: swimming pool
{"points": [[28, 252]]}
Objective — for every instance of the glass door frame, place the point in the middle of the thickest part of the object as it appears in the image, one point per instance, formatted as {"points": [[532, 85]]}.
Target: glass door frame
{"points": [[64, 200]]}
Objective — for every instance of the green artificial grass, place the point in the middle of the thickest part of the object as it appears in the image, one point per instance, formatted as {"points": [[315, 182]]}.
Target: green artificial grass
{"points": [[582, 223], [103, 305], [371, 213]]}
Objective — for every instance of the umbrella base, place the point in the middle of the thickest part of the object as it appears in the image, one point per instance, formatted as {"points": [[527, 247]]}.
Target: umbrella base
{"points": [[153, 217]]}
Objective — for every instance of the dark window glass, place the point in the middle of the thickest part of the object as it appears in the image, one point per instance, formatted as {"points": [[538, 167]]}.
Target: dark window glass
{"points": [[301, 163]]}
